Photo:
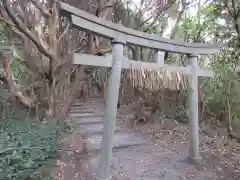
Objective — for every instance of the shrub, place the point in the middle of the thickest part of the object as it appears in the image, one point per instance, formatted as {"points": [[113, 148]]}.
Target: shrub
{"points": [[27, 148]]}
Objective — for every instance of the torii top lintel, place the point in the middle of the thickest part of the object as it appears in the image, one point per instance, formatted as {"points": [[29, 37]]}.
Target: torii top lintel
{"points": [[85, 21]]}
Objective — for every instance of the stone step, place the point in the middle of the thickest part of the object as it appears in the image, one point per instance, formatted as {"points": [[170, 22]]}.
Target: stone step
{"points": [[79, 107], [96, 128], [90, 120], [83, 109], [90, 107], [89, 103], [80, 111], [85, 115], [121, 140], [77, 104]]}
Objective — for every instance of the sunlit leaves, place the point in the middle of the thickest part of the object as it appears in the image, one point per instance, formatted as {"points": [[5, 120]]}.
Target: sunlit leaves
{"points": [[188, 23], [210, 10]]}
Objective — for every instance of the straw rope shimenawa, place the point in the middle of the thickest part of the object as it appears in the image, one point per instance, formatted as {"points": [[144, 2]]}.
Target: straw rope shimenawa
{"points": [[153, 80], [156, 80]]}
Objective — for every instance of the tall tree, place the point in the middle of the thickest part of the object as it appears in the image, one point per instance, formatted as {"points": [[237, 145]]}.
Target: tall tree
{"points": [[44, 41]]}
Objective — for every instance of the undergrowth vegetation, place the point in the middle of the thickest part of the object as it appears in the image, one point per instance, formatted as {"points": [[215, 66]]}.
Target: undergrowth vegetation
{"points": [[28, 148]]}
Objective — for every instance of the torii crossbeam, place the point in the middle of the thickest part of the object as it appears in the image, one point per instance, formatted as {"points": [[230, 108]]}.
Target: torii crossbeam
{"points": [[120, 36]]}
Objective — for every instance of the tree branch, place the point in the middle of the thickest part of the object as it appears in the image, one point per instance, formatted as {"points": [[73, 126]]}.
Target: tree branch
{"points": [[195, 39], [19, 24], [175, 28], [13, 28], [80, 48], [3, 18], [44, 11], [109, 5], [235, 17], [8, 80], [160, 11], [66, 29]]}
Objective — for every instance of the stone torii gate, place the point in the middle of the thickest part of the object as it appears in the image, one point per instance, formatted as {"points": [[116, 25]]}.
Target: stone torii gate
{"points": [[120, 36]]}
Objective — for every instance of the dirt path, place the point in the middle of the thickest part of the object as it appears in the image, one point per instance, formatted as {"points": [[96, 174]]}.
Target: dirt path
{"points": [[136, 155]]}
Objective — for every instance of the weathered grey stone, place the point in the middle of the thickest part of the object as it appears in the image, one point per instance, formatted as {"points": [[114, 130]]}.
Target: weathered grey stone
{"points": [[120, 140]]}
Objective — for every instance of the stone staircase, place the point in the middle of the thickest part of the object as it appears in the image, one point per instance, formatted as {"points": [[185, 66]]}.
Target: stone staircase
{"points": [[89, 117]]}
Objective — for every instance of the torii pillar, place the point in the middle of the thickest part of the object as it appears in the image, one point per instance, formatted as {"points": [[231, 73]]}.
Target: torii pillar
{"points": [[193, 115], [111, 110]]}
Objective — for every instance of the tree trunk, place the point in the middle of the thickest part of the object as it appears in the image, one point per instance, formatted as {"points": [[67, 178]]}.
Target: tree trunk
{"points": [[52, 41], [65, 105], [79, 90]]}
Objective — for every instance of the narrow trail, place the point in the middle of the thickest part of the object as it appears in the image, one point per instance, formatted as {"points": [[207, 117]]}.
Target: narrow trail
{"points": [[135, 155]]}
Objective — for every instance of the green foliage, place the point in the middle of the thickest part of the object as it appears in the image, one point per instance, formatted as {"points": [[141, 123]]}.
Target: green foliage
{"points": [[2, 33], [224, 88], [208, 25], [215, 24], [13, 54], [27, 148]]}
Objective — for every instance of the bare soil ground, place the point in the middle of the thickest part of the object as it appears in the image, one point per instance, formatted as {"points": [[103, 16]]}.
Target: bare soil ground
{"points": [[161, 156]]}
